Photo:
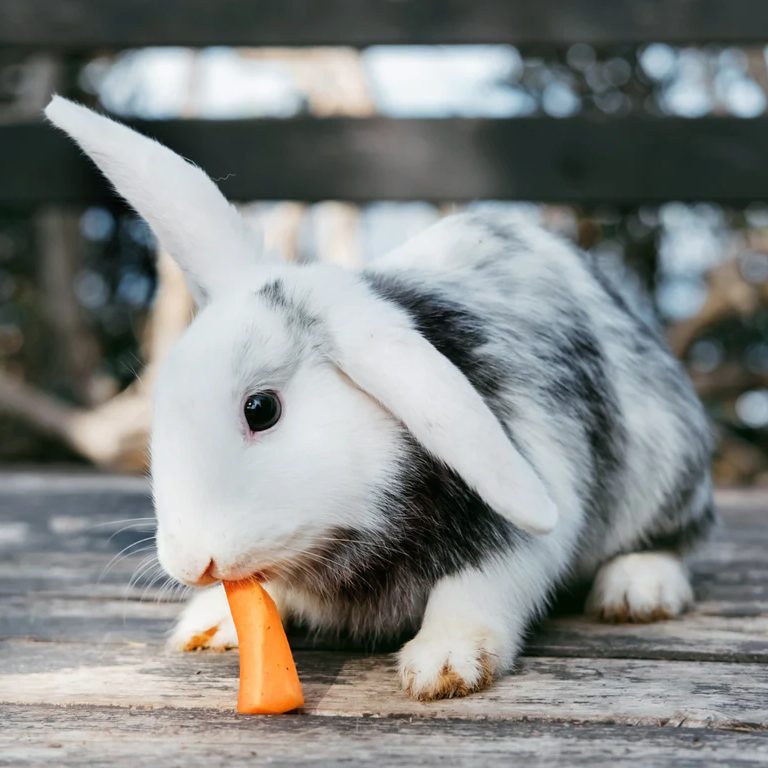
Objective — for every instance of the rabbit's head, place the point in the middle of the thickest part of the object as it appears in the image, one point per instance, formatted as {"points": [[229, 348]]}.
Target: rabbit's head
{"points": [[284, 406]]}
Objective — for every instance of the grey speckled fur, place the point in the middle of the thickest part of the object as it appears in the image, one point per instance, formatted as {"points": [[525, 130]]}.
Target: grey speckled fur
{"points": [[559, 352]]}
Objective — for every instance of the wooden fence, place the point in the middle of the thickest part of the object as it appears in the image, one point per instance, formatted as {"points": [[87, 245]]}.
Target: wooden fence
{"points": [[622, 160]]}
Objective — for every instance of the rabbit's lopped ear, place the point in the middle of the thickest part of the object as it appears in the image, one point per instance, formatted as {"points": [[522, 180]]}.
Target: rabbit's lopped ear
{"points": [[376, 345], [192, 220]]}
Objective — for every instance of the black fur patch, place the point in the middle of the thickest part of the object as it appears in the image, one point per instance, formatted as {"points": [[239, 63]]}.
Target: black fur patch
{"points": [[685, 534], [434, 526], [580, 386], [296, 314], [577, 380], [645, 329], [274, 293], [682, 518], [453, 329]]}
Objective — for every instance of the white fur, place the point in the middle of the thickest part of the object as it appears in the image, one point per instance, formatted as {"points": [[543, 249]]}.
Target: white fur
{"points": [[185, 209], [352, 372], [331, 436], [642, 586], [476, 618]]}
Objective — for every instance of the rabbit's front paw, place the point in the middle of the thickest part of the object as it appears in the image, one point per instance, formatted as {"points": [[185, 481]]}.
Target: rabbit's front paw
{"points": [[441, 666], [205, 623]]}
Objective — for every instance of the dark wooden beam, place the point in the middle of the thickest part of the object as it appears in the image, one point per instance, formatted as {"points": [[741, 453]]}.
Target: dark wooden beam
{"points": [[624, 160], [89, 24]]}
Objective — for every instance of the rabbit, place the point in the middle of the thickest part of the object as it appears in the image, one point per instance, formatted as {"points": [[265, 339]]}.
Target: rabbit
{"points": [[428, 447]]}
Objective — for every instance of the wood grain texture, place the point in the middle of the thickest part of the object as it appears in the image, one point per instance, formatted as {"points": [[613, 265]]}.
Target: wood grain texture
{"points": [[101, 736], [85, 24], [85, 619], [85, 679], [578, 690], [587, 159], [721, 635], [695, 637]]}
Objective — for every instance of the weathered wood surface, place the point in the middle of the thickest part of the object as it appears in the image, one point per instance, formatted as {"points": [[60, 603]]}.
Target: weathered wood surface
{"points": [[700, 638], [587, 159], [84, 678], [577, 690], [99, 736], [86, 24]]}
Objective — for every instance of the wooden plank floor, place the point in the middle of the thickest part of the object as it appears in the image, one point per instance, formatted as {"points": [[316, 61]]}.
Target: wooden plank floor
{"points": [[85, 680]]}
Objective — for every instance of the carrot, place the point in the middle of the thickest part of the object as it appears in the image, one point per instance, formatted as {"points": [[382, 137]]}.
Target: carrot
{"points": [[269, 684]]}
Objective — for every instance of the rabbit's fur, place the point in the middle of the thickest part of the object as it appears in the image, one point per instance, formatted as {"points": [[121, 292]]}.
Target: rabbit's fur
{"points": [[477, 419]]}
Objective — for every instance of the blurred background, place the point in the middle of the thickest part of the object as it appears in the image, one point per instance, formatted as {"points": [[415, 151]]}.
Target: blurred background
{"points": [[88, 306]]}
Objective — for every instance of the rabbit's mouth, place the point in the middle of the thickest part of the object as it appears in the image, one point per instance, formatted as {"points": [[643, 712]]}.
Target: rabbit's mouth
{"points": [[260, 574]]}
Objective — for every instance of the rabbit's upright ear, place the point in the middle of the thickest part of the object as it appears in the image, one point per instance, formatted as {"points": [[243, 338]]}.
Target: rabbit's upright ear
{"points": [[187, 212], [376, 345]]}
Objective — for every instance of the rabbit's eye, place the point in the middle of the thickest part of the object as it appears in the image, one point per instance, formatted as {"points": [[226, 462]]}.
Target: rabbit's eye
{"points": [[262, 410]]}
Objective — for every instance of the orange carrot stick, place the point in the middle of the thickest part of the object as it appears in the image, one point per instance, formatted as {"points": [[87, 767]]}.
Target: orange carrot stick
{"points": [[269, 684]]}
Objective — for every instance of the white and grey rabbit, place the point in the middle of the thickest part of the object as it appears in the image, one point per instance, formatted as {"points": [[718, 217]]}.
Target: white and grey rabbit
{"points": [[430, 446]]}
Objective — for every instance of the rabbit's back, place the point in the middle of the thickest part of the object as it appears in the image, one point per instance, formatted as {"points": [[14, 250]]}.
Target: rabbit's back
{"points": [[573, 367]]}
